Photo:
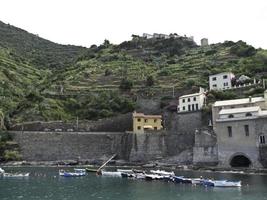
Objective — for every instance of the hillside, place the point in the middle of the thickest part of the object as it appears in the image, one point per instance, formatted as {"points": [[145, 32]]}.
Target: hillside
{"points": [[42, 80]]}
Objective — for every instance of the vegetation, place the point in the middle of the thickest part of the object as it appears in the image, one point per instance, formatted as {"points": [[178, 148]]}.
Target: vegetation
{"points": [[42, 80]]}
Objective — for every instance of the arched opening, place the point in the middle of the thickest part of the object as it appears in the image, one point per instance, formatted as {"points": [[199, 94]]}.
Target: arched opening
{"points": [[240, 161], [248, 114], [230, 116]]}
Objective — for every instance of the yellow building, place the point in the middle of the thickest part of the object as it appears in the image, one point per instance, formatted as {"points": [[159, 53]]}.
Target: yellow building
{"points": [[142, 122]]}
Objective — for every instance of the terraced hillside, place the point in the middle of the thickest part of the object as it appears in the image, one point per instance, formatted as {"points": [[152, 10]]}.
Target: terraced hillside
{"points": [[41, 80]]}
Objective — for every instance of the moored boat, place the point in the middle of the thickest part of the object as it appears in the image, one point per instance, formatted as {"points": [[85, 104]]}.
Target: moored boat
{"points": [[16, 175], [221, 183], [151, 177], [113, 174], [125, 170], [76, 173], [162, 173], [2, 171], [181, 179]]}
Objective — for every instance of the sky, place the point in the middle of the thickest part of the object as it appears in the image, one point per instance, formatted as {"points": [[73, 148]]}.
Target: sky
{"points": [[87, 22]]}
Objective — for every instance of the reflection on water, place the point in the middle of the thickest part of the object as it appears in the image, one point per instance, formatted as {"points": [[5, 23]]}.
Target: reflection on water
{"points": [[44, 183]]}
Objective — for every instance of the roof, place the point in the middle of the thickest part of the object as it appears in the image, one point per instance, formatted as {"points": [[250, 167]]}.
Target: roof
{"points": [[221, 73], [238, 101], [239, 110], [142, 115], [191, 95]]}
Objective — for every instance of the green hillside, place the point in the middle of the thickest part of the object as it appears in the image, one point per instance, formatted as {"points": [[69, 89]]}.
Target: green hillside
{"points": [[41, 80]]}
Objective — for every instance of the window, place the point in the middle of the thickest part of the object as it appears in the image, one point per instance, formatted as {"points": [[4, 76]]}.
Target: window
{"points": [[230, 116], [225, 76], [189, 107], [214, 78], [155, 120], [195, 99], [155, 128], [262, 139], [188, 100], [225, 84], [138, 127], [183, 107], [196, 106], [214, 85], [246, 130], [229, 128], [139, 120], [193, 106], [183, 100], [145, 120], [248, 114]]}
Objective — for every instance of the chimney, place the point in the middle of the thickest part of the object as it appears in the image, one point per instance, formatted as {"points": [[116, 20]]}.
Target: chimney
{"points": [[250, 99]]}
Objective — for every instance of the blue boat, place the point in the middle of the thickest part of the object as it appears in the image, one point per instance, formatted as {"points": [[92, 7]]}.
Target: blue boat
{"points": [[181, 179], [76, 173]]}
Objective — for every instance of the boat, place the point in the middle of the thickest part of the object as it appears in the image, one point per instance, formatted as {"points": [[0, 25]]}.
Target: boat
{"points": [[181, 179], [16, 175], [76, 173], [162, 173], [79, 170], [2, 171], [222, 183], [151, 177], [91, 170], [112, 174], [125, 170], [197, 181], [127, 175]]}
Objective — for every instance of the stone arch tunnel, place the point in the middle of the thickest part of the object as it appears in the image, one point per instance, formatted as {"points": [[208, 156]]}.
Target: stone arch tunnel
{"points": [[240, 160]]}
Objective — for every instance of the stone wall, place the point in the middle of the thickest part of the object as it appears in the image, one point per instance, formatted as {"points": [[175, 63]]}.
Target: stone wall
{"points": [[51, 146], [205, 149]]}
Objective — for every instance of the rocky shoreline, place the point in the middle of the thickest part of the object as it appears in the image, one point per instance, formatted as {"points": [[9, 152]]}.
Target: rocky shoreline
{"points": [[124, 164]]}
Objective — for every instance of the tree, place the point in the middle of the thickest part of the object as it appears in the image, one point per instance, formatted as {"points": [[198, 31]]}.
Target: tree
{"points": [[150, 80]]}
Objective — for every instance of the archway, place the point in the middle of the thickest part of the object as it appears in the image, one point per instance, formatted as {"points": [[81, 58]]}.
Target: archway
{"points": [[240, 161]]}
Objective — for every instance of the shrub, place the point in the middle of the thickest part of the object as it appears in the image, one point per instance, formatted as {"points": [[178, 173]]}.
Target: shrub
{"points": [[10, 155], [126, 84], [150, 81]]}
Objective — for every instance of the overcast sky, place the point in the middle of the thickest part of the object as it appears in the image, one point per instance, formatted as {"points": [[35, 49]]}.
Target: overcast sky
{"points": [[87, 22]]}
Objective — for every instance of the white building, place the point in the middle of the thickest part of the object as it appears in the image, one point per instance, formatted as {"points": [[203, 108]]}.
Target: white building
{"points": [[222, 81], [147, 36], [192, 102]]}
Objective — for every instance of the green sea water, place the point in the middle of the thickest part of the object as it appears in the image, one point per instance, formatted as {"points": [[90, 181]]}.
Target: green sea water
{"points": [[44, 183]]}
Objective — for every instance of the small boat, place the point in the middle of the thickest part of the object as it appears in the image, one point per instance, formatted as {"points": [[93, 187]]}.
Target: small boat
{"points": [[162, 173], [16, 175], [197, 181], [222, 183], [140, 176], [125, 170], [112, 174], [151, 177], [2, 171], [127, 175], [91, 170], [181, 179], [71, 174], [79, 170]]}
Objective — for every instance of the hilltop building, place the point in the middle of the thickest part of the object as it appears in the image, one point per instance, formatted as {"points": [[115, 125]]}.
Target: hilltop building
{"points": [[204, 42], [142, 122], [241, 129], [192, 102], [221, 81]]}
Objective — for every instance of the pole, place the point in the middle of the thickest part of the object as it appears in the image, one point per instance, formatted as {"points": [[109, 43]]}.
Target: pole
{"points": [[77, 123], [172, 91]]}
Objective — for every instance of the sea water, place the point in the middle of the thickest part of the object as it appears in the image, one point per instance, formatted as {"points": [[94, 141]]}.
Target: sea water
{"points": [[44, 183]]}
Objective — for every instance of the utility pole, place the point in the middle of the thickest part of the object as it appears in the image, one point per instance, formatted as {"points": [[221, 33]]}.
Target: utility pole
{"points": [[172, 91]]}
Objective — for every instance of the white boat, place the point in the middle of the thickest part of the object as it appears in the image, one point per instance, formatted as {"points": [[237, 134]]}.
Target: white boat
{"points": [[153, 177], [225, 183], [112, 174], [197, 181], [16, 175], [162, 173], [125, 170], [79, 170], [76, 173], [2, 171]]}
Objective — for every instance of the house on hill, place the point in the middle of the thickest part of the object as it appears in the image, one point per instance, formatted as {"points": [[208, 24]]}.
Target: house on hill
{"points": [[192, 102], [142, 122], [221, 81]]}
